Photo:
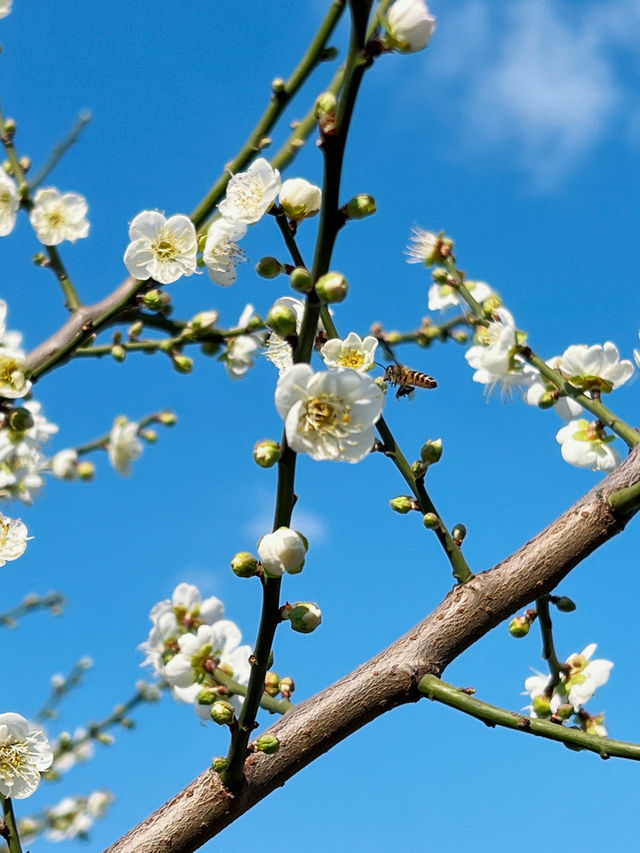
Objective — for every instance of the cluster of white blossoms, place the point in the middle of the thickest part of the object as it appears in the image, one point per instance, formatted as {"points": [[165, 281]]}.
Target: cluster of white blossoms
{"points": [[73, 817], [24, 753], [71, 749], [189, 640], [578, 684], [494, 356]]}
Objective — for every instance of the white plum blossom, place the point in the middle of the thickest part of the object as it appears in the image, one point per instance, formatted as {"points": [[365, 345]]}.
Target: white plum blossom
{"points": [[494, 357], [124, 445], [24, 752], [160, 248], [586, 445], [410, 26], [13, 538], [5, 8], [284, 550], [300, 199], [577, 685], [58, 216], [353, 352], [422, 246], [9, 199], [14, 373], [329, 415], [250, 194], [595, 367], [240, 352], [443, 296], [221, 253], [566, 407], [64, 464]]}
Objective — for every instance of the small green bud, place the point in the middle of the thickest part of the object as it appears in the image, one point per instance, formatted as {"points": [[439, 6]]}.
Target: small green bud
{"points": [[278, 85], [105, 738], [458, 533], [40, 260], [156, 299], [118, 352], [547, 399], [328, 54], [332, 287], [431, 452], [460, 336], [149, 435], [519, 626], [135, 330], [267, 453], [269, 744], [325, 109], [219, 764], [542, 705], [305, 616], [264, 143], [492, 303], [287, 686], [360, 206], [402, 504], [440, 276], [431, 521], [25, 163], [222, 712], [564, 604], [255, 324], [282, 320], [182, 363], [204, 321], [127, 723], [272, 683], [20, 419], [565, 711], [244, 564], [167, 418], [269, 267], [86, 471], [418, 468], [300, 280], [10, 128]]}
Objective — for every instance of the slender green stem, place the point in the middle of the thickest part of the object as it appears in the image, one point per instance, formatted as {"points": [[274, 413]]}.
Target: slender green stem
{"points": [[279, 101], [58, 692], [102, 442], [61, 149], [461, 571], [10, 829], [435, 689], [625, 502], [290, 241], [548, 648], [72, 300], [269, 703]]}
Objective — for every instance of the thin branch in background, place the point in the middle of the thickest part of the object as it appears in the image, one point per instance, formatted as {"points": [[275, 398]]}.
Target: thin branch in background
{"points": [[53, 601], [61, 149]]}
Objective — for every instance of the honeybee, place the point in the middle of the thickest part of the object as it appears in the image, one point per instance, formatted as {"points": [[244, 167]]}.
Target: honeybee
{"points": [[407, 379]]}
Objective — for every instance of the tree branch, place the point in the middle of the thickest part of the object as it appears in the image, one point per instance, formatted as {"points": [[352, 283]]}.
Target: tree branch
{"points": [[390, 679]]}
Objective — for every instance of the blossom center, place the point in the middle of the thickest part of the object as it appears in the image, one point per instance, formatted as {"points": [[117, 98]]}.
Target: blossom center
{"points": [[10, 373], [327, 414], [14, 760], [55, 218], [353, 358], [166, 249], [247, 193]]}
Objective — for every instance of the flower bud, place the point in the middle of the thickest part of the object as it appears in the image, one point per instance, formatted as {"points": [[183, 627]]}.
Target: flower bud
{"points": [[182, 363], [458, 533], [440, 276], [269, 267], [492, 303], [564, 604], [167, 418], [402, 504], [325, 108], [360, 206], [267, 453], [118, 352], [305, 616], [10, 128], [219, 764], [86, 471], [65, 465], [268, 744], [459, 336], [287, 686], [332, 287], [20, 419], [272, 683], [519, 626], [431, 521], [40, 259], [418, 468], [278, 85], [222, 712], [281, 320], [135, 330], [565, 711], [244, 564], [25, 163], [204, 321], [284, 550], [542, 705], [300, 280], [156, 299], [300, 199], [409, 26], [149, 435], [431, 452], [210, 347]]}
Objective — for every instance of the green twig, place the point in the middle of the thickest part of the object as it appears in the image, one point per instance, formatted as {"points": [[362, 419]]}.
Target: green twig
{"points": [[61, 149], [53, 601], [435, 689], [625, 502], [269, 703], [10, 828]]}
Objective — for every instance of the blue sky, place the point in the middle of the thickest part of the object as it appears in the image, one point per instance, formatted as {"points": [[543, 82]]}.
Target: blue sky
{"points": [[518, 133]]}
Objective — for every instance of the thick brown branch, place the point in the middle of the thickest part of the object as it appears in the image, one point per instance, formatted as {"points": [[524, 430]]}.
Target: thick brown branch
{"points": [[205, 807]]}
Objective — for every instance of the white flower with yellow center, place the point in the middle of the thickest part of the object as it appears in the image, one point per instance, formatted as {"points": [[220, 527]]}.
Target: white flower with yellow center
{"points": [[162, 249], [13, 374], [329, 415], [9, 199], [13, 538], [353, 352], [221, 253], [124, 445], [586, 445], [250, 194], [596, 367], [24, 752], [57, 216]]}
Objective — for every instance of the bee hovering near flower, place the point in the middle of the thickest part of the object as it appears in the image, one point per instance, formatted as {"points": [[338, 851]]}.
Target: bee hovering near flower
{"points": [[407, 379]]}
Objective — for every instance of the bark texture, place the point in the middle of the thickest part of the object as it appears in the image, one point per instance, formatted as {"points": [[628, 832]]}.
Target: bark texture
{"points": [[468, 612]]}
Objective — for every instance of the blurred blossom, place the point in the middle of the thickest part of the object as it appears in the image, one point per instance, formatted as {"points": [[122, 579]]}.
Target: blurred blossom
{"points": [[124, 445], [13, 538], [9, 198]]}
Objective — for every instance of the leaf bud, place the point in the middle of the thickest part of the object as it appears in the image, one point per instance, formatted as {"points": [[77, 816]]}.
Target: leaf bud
{"points": [[222, 712], [40, 259], [300, 199], [360, 206], [267, 453], [565, 711], [182, 363], [460, 336], [305, 616], [269, 267], [20, 419], [149, 435], [25, 163], [105, 738], [281, 320], [272, 683], [458, 533], [519, 626], [244, 564], [325, 109], [564, 603], [269, 744], [402, 504], [440, 276], [86, 471], [418, 468], [118, 352], [542, 705], [431, 452], [300, 280], [10, 128], [210, 347], [135, 330], [204, 321], [219, 764], [156, 299], [328, 54], [264, 143], [431, 521], [332, 287]]}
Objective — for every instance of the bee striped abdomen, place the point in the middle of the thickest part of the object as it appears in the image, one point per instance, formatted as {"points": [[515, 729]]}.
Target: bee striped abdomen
{"points": [[407, 379]]}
